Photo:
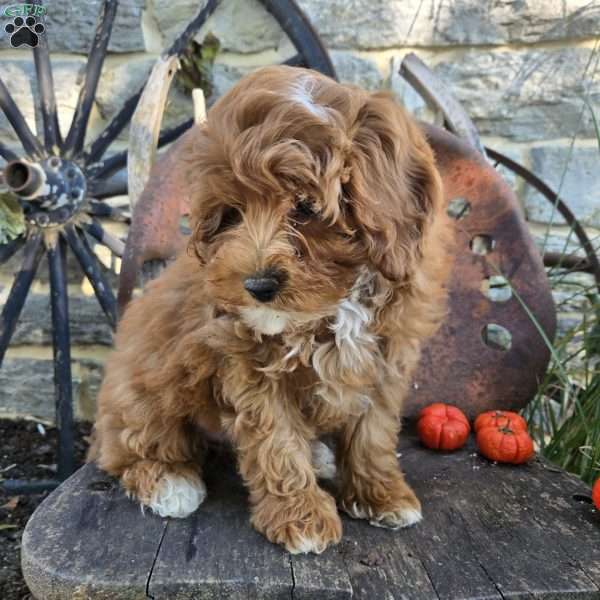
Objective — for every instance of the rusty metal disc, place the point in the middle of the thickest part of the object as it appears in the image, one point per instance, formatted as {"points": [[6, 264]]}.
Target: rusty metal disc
{"points": [[468, 363]]}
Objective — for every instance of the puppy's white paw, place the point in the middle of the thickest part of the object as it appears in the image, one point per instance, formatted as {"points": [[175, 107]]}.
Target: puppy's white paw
{"points": [[323, 460], [177, 496], [404, 517], [396, 519], [307, 545]]}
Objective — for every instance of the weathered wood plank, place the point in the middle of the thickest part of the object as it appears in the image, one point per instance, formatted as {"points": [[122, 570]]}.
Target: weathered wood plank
{"points": [[87, 540], [579, 535], [430, 561], [215, 553], [490, 521], [515, 551], [381, 564], [322, 576], [490, 531]]}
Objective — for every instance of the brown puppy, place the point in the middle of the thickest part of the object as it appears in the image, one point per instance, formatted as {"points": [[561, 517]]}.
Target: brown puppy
{"points": [[315, 272]]}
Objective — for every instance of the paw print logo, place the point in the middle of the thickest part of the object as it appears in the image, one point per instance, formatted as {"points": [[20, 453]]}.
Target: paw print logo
{"points": [[24, 32]]}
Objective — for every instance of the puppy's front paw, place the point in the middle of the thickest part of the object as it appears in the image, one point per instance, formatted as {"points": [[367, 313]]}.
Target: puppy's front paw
{"points": [[400, 508], [306, 523], [177, 495], [170, 490], [396, 519]]}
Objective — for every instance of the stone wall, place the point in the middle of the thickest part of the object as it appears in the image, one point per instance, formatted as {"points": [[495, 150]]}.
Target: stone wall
{"points": [[526, 71]]}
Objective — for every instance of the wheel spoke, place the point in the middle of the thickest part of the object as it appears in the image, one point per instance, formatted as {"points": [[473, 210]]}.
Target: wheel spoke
{"points": [[120, 120], [295, 61], [112, 130], [170, 135], [302, 34], [75, 138], [18, 293], [16, 119], [6, 153], [99, 209], [47, 98], [7, 250], [179, 45], [105, 168], [62, 357], [117, 161], [89, 263], [105, 188], [114, 244]]}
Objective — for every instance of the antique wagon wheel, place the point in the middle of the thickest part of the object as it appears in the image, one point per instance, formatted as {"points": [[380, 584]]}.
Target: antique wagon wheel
{"points": [[589, 264], [61, 186]]}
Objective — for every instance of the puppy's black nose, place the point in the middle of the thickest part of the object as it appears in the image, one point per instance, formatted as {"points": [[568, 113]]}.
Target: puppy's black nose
{"points": [[264, 285]]}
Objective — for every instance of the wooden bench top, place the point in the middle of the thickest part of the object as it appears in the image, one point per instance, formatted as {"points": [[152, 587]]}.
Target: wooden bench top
{"points": [[489, 531]]}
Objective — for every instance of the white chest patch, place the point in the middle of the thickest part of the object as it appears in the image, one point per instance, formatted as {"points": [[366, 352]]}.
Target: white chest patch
{"points": [[266, 321], [352, 337], [352, 352]]}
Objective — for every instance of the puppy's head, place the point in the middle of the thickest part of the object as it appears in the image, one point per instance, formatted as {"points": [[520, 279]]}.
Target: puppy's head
{"points": [[298, 183]]}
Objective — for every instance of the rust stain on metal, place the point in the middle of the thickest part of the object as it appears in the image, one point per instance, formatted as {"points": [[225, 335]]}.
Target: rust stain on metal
{"points": [[457, 366], [155, 233]]}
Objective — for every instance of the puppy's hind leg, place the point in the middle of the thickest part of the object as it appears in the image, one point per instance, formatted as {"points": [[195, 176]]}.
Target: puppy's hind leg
{"points": [[158, 462], [168, 489]]}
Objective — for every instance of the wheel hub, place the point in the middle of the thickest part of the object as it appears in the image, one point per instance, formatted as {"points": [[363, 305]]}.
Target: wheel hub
{"points": [[51, 191]]}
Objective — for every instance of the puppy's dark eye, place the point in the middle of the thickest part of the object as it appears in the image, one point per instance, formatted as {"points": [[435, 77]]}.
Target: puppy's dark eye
{"points": [[219, 222], [229, 218], [304, 211]]}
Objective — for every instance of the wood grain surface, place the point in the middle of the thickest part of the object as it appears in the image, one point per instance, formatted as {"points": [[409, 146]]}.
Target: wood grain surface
{"points": [[489, 531]]}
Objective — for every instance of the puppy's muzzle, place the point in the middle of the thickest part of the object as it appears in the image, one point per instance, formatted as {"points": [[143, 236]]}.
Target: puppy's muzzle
{"points": [[264, 285]]}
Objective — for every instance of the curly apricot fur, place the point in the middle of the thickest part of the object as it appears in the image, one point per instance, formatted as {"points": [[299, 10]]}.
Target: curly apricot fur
{"points": [[364, 286]]}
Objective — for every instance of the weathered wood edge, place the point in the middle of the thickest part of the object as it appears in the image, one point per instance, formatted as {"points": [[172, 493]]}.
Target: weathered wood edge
{"points": [[144, 130], [427, 562], [52, 576]]}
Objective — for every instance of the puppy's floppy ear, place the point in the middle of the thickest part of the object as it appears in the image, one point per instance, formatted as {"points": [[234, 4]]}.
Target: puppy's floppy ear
{"points": [[394, 187]]}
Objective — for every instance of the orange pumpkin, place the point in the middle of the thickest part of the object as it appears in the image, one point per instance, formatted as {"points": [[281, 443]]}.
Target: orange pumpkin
{"points": [[504, 444], [443, 427], [500, 418], [596, 494]]}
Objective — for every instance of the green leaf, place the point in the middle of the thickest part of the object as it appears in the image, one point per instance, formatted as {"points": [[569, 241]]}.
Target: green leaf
{"points": [[210, 48], [197, 63], [12, 221]]}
